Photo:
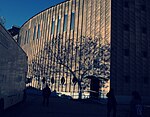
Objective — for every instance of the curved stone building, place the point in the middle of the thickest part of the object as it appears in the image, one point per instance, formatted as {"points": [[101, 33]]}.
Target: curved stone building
{"points": [[72, 23], [71, 40]]}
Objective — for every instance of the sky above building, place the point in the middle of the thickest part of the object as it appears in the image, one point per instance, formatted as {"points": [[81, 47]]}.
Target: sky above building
{"points": [[17, 12]]}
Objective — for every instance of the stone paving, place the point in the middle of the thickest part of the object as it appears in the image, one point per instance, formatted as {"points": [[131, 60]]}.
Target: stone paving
{"points": [[59, 107]]}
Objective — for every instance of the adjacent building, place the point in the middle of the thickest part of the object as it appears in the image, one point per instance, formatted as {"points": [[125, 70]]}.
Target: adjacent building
{"points": [[14, 31], [13, 70], [130, 49], [121, 25]]}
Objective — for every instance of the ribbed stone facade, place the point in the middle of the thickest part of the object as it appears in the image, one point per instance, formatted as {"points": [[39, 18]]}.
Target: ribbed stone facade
{"points": [[73, 19]]}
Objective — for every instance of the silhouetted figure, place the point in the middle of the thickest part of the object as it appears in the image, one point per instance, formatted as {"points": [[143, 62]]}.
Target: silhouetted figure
{"points": [[1, 106], [136, 105], [46, 94], [111, 103], [24, 95]]}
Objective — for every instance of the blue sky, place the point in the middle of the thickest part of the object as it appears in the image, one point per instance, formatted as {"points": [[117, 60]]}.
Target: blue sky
{"points": [[16, 12]]}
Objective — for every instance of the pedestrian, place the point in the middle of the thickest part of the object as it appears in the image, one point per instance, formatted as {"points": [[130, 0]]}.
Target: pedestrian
{"points": [[111, 103], [46, 94], [136, 105], [24, 95]]}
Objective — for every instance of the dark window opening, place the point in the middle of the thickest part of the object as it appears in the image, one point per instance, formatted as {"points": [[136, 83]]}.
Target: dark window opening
{"points": [[143, 7], [126, 52], [34, 34], [65, 22], [53, 27], [146, 80], [38, 33], [28, 35], [144, 30], [126, 27], [126, 4], [127, 79], [25, 39], [145, 54], [58, 26], [72, 21]]}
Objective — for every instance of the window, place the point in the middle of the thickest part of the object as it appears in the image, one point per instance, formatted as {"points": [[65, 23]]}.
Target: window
{"points": [[53, 27], [146, 80], [72, 21], [144, 54], [126, 4], [58, 27], [65, 22], [143, 7], [25, 39], [144, 30], [38, 33], [126, 27], [28, 40], [34, 33], [126, 52], [127, 79]]}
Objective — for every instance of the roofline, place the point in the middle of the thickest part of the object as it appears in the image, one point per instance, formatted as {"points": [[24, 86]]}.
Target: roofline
{"points": [[42, 11]]}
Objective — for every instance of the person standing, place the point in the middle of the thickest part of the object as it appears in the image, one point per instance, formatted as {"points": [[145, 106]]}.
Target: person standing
{"points": [[136, 109], [46, 94], [111, 103], [24, 95]]}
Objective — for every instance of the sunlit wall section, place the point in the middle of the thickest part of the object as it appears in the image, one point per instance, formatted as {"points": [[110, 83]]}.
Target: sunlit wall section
{"points": [[67, 42]]}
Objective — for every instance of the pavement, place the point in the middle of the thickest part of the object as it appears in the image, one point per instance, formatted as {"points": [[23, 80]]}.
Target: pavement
{"points": [[61, 107]]}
